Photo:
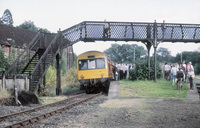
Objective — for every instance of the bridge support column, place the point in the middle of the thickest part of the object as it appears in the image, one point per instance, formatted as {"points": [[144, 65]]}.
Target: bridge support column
{"points": [[155, 65], [58, 63], [155, 44], [148, 45]]}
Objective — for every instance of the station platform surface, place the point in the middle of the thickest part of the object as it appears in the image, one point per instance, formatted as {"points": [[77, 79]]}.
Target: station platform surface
{"points": [[114, 89], [193, 94]]}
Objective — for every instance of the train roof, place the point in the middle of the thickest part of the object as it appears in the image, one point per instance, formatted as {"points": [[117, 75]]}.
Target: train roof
{"points": [[88, 53]]}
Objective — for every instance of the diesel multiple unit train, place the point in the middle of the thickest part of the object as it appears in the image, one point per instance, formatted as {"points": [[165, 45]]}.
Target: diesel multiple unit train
{"points": [[94, 71]]}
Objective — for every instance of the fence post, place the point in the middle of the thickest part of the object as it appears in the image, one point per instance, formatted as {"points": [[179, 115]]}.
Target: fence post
{"points": [[3, 81], [15, 90], [30, 79], [26, 83]]}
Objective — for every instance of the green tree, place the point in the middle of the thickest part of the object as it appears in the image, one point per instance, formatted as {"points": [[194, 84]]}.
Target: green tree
{"points": [[163, 55], [4, 64], [125, 53], [29, 25], [194, 57], [44, 30], [141, 71], [7, 18]]}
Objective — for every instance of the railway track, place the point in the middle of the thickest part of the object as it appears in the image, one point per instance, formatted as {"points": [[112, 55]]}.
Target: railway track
{"points": [[27, 117]]}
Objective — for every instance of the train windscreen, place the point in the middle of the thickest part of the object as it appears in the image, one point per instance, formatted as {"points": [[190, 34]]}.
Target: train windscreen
{"points": [[98, 63]]}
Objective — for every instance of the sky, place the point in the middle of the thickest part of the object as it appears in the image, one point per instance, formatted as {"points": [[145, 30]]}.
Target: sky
{"points": [[55, 14]]}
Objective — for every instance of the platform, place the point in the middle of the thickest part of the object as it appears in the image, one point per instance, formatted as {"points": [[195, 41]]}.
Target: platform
{"points": [[193, 94], [114, 89]]}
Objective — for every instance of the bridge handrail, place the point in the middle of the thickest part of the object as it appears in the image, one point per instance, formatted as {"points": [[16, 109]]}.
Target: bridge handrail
{"points": [[15, 67], [134, 31], [52, 49]]}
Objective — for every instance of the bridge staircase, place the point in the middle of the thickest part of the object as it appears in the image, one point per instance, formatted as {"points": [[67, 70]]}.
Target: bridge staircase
{"points": [[37, 57], [33, 61]]}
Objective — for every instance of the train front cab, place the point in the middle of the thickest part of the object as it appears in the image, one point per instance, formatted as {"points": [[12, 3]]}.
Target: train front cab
{"points": [[93, 71]]}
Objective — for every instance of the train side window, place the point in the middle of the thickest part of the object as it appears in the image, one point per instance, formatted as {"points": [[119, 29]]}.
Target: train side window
{"points": [[91, 64], [100, 63], [82, 64]]}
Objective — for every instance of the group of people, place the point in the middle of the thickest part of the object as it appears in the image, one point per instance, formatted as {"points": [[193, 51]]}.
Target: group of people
{"points": [[179, 73], [121, 71]]}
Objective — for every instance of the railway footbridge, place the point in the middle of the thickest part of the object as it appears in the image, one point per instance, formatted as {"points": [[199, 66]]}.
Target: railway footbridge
{"points": [[36, 58]]}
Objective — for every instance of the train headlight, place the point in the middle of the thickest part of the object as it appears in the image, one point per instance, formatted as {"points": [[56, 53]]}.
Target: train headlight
{"points": [[102, 75], [82, 77]]}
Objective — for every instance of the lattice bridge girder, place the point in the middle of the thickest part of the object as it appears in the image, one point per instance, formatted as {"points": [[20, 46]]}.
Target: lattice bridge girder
{"points": [[90, 31]]}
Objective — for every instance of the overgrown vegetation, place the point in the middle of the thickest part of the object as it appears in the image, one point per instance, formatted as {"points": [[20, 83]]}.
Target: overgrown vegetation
{"points": [[69, 81], [5, 62], [4, 94], [141, 71], [144, 88]]}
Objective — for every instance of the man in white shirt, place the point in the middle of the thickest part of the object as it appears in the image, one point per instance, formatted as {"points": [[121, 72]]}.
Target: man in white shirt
{"points": [[167, 70], [191, 75], [174, 72]]}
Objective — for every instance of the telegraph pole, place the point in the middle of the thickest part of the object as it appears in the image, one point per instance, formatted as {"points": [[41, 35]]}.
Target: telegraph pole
{"points": [[134, 54]]}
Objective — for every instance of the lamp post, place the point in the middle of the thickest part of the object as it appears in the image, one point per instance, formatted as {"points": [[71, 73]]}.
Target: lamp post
{"points": [[133, 53]]}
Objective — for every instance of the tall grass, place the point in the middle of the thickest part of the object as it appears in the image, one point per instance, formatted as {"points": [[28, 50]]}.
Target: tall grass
{"points": [[161, 88], [69, 81], [4, 94]]}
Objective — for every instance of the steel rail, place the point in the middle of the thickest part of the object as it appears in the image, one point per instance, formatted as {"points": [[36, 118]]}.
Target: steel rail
{"points": [[40, 107], [48, 114]]}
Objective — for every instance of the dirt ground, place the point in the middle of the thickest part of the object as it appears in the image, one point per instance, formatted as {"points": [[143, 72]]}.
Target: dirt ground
{"points": [[143, 113], [128, 112], [131, 112]]}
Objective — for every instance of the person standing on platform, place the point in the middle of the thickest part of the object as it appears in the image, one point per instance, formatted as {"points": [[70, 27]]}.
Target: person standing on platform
{"points": [[174, 72], [118, 70], [114, 68], [179, 77], [167, 69], [126, 70], [121, 71], [177, 65], [191, 75], [184, 69], [170, 71]]}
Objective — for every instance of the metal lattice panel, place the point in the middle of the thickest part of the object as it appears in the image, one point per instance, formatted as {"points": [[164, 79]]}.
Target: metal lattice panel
{"points": [[73, 34], [94, 31], [133, 31]]}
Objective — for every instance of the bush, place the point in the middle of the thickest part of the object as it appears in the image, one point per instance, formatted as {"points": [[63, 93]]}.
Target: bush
{"points": [[71, 76], [141, 71], [69, 81], [197, 68], [4, 64]]}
